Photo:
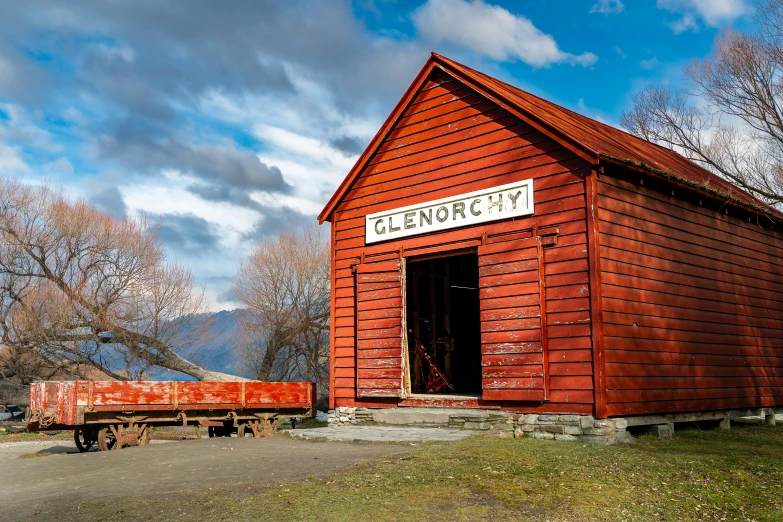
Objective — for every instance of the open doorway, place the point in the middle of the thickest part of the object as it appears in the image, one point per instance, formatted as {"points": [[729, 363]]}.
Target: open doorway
{"points": [[444, 336]]}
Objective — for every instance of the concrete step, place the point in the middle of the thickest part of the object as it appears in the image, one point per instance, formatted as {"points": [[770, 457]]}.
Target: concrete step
{"points": [[440, 417], [380, 434]]}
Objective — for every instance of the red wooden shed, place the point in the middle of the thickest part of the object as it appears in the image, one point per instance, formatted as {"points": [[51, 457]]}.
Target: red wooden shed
{"points": [[491, 249]]}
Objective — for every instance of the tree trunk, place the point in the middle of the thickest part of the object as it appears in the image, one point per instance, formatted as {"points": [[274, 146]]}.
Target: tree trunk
{"points": [[268, 364], [180, 364]]}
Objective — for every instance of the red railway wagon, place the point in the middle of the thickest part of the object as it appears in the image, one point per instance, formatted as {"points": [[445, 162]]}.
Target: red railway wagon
{"points": [[115, 414], [491, 249]]}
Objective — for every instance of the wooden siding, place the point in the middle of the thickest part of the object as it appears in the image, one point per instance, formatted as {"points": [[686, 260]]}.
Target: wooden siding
{"points": [[451, 141], [380, 351], [512, 330], [692, 304]]}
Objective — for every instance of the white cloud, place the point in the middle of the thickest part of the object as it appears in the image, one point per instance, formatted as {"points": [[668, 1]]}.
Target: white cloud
{"points": [[11, 161], [168, 193], [714, 13], [649, 64], [312, 167], [61, 167], [492, 31], [608, 7]]}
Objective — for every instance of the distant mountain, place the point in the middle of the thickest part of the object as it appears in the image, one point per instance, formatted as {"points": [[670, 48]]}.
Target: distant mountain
{"points": [[219, 347]]}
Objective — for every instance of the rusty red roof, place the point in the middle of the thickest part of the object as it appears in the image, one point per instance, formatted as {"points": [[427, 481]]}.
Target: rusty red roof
{"points": [[595, 141]]}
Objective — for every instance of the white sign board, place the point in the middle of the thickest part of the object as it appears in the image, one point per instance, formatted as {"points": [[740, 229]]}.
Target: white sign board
{"points": [[503, 202]]}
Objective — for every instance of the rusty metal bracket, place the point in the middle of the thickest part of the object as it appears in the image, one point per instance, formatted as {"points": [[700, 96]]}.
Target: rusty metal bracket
{"points": [[243, 394], [90, 403], [182, 416]]}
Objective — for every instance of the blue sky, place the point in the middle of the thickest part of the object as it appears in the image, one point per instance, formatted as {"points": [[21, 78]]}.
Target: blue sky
{"points": [[228, 122]]}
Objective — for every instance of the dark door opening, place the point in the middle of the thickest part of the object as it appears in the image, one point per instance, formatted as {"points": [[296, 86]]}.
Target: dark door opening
{"points": [[444, 335]]}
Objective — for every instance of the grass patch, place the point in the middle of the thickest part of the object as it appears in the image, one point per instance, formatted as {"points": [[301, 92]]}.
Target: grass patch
{"points": [[697, 475], [24, 436], [35, 455]]}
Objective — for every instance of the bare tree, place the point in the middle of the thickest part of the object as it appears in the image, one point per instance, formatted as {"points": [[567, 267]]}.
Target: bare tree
{"points": [[734, 126], [285, 286], [80, 290]]}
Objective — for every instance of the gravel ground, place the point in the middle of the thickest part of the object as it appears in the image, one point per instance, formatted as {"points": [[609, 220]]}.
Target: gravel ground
{"points": [[31, 487]]}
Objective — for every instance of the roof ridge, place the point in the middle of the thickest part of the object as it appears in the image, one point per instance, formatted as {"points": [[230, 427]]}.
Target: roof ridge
{"points": [[587, 137]]}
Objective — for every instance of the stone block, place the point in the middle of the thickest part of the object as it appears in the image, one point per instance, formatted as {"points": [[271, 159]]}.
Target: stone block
{"points": [[547, 419], [624, 437], [571, 438], [540, 435], [601, 423], [586, 421], [602, 432], [663, 431], [569, 420], [518, 433], [476, 426], [411, 416], [554, 428], [530, 419], [527, 427], [620, 424], [506, 434], [503, 426], [573, 430]]}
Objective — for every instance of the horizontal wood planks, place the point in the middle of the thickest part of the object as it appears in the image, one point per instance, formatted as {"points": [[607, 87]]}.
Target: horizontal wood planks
{"points": [[65, 398], [692, 305], [451, 141], [380, 354], [513, 365]]}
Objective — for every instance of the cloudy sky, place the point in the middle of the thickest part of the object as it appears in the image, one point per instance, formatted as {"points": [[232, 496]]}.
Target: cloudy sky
{"points": [[229, 121]]}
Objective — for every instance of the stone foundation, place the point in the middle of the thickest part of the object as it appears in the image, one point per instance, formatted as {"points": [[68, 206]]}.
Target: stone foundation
{"points": [[583, 428], [345, 416]]}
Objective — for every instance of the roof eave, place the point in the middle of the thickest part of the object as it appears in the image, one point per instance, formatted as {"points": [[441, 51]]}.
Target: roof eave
{"points": [[399, 110], [691, 185], [463, 75]]}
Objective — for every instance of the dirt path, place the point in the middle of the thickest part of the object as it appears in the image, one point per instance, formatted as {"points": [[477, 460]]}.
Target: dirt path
{"points": [[31, 487]]}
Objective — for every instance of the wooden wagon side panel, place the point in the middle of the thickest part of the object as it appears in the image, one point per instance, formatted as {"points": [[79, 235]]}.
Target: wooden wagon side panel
{"points": [[451, 141], [380, 329], [692, 305]]}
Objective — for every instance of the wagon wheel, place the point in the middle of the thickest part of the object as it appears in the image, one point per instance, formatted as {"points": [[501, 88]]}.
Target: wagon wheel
{"points": [[106, 440], [85, 438]]}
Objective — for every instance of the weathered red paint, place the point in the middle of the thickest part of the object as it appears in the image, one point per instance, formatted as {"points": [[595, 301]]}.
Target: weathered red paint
{"points": [[64, 403], [610, 278]]}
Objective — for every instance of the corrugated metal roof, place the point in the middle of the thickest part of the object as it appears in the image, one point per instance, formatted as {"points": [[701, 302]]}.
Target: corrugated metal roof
{"points": [[594, 139], [604, 140]]}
